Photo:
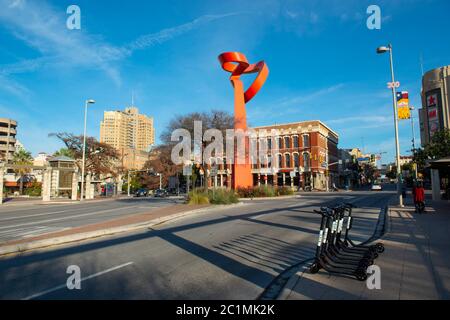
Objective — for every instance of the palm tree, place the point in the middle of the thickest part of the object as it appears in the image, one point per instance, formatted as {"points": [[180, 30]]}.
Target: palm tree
{"points": [[22, 158], [64, 152]]}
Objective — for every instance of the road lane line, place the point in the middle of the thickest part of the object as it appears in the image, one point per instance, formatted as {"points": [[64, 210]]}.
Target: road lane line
{"points": [[63, 218], [33, 215], [42, 293], [74, 210]]}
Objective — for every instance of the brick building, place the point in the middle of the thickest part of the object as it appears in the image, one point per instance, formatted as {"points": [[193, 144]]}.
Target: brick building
{"points": [[306, 156]]}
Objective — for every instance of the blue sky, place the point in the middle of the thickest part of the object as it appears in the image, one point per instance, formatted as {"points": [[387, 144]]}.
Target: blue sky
{"points": [[320, 54]]}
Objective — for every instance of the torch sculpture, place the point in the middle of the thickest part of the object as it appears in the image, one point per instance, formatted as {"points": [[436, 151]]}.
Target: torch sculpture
{"points": [[236, 63]]}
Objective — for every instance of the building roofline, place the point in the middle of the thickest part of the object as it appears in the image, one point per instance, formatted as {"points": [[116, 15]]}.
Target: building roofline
{"points": [[298, 122]]}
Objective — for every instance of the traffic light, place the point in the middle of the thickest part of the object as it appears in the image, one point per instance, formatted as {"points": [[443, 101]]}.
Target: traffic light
{"points": [[353, 159]]}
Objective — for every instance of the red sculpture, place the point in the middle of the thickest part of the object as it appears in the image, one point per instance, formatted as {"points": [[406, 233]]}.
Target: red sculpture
{"points": [[236, 63]]}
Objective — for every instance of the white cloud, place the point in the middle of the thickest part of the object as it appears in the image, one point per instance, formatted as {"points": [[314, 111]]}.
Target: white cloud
{"points": [[44, 29], [381, 120], [310, 96], [13, 87], [152, 39], [16, 3]]}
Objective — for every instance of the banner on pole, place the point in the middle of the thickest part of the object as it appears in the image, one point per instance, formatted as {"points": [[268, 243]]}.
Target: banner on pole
{"points": [[404, 112]]}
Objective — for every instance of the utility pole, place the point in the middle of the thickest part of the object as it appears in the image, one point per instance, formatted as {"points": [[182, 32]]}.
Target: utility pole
{"points": [[128, 183], [393, 86], [413, 141], [84, 147]]}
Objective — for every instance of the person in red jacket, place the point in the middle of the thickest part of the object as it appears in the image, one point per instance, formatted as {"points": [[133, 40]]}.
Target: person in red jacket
{"points": [[419, 198]]}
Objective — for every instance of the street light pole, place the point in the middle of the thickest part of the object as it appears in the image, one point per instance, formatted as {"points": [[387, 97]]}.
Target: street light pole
{"points": [[413, 140], [84, 147], [128, 183], [397, 145]]}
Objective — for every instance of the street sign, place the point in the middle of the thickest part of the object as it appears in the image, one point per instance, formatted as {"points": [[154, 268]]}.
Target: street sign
{"points": [[393, 84], [213, 171]]}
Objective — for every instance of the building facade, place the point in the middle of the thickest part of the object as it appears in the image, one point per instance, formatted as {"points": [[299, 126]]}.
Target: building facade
{"points": [[132, 134], [306, 157], [435, 113], [8, 132]]}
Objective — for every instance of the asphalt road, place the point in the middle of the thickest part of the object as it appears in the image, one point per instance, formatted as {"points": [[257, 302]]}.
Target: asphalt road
{"points": [[17, 222], [226, 253]]}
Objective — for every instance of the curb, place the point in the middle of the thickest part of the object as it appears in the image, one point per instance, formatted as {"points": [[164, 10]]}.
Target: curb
{"points": [[45, 243]]}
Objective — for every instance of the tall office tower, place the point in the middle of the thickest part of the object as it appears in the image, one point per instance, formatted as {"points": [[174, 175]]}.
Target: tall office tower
{"points": [[131, 133]]}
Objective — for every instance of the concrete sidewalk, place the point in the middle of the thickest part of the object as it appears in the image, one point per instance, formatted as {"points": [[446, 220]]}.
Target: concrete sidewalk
{"points": [[125, 224], [415, 264]]}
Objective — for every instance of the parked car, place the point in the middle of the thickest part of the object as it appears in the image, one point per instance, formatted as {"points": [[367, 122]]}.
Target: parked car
{"points": [[161, 193], [141, 193], [376, 186]]}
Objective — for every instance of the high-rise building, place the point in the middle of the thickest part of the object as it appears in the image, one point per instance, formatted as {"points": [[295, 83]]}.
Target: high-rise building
{"points": [[8, 131], [435, 112], [131, 133]]}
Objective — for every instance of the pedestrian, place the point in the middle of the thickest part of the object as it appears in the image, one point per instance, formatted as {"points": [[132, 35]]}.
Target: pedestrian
{"points": [[419, 198]]}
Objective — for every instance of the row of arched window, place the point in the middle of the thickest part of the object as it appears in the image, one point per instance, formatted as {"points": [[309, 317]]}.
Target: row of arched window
{"points": [[288, 142], [285, 160]]}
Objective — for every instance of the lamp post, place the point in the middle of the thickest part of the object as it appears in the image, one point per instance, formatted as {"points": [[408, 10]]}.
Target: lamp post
{"points": [[84, 147], [381, 50], [413, 140]]}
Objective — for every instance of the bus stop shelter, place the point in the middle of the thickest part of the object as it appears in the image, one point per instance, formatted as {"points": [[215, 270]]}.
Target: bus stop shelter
{"points": [[439, 169]]}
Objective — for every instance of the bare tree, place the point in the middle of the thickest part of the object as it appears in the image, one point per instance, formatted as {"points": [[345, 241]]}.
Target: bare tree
{"points": [[101, 158], [215, 119], [160, 162]]}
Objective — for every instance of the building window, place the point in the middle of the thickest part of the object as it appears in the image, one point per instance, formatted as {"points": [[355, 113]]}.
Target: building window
{"points": [[269, 161], [287, 160], [306, 161], [295, 141], [254, 163], [306, 140], [296, 160], [287, 142], [269, 143], [280, 142], [280, 161]]}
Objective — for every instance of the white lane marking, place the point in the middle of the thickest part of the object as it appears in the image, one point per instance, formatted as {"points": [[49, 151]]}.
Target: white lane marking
{"points": [[63, 218], [28, 232], [42, 293], [33, 215], [54, 212]]}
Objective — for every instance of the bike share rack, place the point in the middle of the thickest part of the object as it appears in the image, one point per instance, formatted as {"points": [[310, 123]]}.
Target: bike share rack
{"points": [[336, 253]]}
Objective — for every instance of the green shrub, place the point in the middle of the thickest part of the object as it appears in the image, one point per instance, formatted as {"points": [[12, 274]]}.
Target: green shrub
{"points": [[35, 190], [264, 191], [245, 192], [285, 191], [222, 196], [198, 197]]}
